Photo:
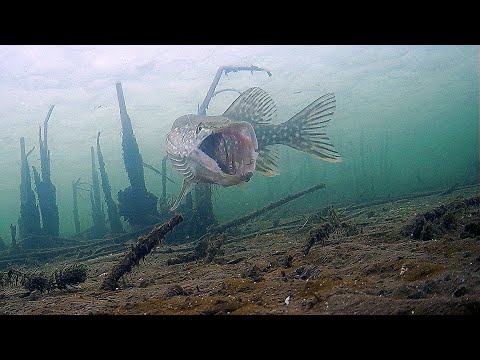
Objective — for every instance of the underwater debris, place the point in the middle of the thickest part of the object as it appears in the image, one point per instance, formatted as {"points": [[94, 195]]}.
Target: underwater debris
{"points": [[142, 247], [333, 225], [98, 216], [13, 233], [240, 221], [470, 230], [136, 204], [206, 249], [253, 273], [286, 261], [439, 220], [76, 218], [36, 280], [45, 189], [451, 189], [3, 246], [29, 220], [318, 234], [175, 290], [116, 226]]}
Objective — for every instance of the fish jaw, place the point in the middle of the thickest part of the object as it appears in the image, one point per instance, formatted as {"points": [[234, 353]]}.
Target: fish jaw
{"points": [[227, 156]]}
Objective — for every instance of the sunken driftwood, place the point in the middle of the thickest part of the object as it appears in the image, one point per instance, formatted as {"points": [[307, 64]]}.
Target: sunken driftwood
{"points": [[78, 248], [205, 249], [29, 220], [45, 189], [135, 203], [38, 280], [322, 232], [410, 196], [116, 226], [141, 248], [439, 220], [248, 217], [98, 215]]}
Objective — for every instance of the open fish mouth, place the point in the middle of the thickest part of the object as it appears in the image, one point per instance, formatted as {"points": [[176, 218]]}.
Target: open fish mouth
{"points": [[234, 148]]}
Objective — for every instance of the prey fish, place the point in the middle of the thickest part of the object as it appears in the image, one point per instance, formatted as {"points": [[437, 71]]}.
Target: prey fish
{"points": [[227, 149]]}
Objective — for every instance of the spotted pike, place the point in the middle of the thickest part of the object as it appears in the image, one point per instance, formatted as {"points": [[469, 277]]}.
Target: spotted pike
{"points": [[228, 148]]}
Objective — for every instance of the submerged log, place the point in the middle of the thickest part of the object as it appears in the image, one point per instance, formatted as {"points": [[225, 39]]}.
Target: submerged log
{"points": [[141, 248], [112, 210], [136, 204]]}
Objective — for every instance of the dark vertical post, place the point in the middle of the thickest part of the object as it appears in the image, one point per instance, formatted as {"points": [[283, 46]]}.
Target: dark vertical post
{"points": [[112, 210], [76, 218], [29, 220], [97, 209], [45, 189], [13, 232], [135, 203]]}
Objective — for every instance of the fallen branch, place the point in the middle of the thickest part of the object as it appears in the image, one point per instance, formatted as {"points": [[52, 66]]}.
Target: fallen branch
{"points": [[243, 219], [156, 171], [450, 189], [38, 280], [205, 249], [141, 248]]}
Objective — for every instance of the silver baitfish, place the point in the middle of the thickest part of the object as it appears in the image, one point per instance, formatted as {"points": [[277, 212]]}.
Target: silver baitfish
{"points": [[228, 148]]}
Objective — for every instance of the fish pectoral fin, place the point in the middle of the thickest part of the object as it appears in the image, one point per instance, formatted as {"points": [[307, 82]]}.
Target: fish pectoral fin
{"points": [[266, 162], [253, 105], [187, 185]]}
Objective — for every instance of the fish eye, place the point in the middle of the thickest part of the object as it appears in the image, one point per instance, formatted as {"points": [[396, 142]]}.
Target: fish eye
{"points": [[199, 128]]}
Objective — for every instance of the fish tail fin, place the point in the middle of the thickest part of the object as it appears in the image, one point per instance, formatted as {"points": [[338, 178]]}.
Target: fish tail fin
{"points": [[307, 129], [186, 187]]}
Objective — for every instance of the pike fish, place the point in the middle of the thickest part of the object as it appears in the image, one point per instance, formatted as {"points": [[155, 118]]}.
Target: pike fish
{"points": [[227, 149]]}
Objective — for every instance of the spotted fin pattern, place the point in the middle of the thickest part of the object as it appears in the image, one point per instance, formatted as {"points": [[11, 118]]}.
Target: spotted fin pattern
{"points": [[305, 130], [266, 162], [253, 105]]}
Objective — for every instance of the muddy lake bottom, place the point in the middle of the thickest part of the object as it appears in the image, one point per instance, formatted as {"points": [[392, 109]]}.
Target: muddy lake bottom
{"points": [[378, 270]]}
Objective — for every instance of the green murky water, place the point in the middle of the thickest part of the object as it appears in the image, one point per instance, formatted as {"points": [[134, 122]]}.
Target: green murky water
{"points": [[406, 119]]}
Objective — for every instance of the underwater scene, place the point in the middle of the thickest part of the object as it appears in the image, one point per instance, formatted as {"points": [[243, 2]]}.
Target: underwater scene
{"points": [[242, 180]]}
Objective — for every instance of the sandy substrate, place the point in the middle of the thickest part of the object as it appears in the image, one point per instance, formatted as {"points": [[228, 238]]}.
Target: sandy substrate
{"points": [[377, 271]]}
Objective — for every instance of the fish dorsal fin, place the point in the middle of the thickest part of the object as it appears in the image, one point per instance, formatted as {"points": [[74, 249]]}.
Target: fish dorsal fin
{"points": [[266, 162], [253, 105]]}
